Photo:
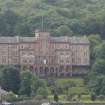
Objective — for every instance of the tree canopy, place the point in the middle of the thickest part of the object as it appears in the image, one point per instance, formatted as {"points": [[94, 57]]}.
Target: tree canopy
{"points": [[76, 17]]}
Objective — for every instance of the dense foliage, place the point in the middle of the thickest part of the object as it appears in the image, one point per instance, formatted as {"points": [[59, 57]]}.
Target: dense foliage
{"points": [[61, 17], [10, 79], [97, 75], [24, 83]]}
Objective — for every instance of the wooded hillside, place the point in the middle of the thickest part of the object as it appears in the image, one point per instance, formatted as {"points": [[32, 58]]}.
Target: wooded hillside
{"points": [[61, 17]]}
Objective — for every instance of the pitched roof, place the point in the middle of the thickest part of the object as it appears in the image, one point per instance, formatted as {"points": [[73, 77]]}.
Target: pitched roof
{"points": [[26, 39], [81, 40], [75, 40], [8, 40]]}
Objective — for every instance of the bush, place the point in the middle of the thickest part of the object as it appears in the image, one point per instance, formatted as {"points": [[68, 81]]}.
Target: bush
{"points": [[101, 97], [9, 97], [39, 97], [78, 90], [42, 92]]}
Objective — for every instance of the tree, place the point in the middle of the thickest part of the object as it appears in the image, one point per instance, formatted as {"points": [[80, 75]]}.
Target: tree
{"points": [[9, 20], [42, 91], [64, 30], [99, 67], [26, 81], [101, 51], [102, 92], [95, 41], [97, 86], [10, 79], [10, 97], [36, 84]]}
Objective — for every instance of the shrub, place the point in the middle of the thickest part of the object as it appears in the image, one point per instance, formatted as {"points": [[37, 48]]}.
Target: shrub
{"points": [[78, 90], [42, 92], [101, 97], [9, 97]]}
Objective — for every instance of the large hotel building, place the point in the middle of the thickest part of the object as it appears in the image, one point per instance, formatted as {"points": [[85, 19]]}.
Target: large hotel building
{"points": [[47, 56]]}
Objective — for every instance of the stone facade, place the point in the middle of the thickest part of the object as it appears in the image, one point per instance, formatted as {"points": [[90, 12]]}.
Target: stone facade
{"points": [[45, 55]]}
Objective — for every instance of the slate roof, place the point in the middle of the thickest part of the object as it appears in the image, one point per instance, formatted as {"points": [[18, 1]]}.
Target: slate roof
{"points": [[26, 39], [73, 39], [82, 40]]}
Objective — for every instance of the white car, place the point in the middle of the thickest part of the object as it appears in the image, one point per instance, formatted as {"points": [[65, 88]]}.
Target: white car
{"points": [[46, 103], [7, 103]]}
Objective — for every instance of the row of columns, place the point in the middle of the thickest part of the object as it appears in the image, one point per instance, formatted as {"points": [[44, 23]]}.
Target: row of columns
{"points": [[52, 71], [57, 71]]}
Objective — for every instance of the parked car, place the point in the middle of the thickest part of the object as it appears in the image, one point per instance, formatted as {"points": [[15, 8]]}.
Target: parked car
{"points": [[7, 103]]}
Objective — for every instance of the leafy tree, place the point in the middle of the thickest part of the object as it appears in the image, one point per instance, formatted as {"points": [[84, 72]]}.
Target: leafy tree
{"points": [[97, 85], [64, 30], [95, 41], [102, 92], [101, 51], [10, 97], [99, 66], [10, 79], [26, 80], [9, 20], [36, 84], [42, 91]]}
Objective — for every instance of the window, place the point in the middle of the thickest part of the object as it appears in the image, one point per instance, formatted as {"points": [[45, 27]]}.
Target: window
{"points": [[3, 59], [62, 53], [73, 60], [52, 69], [85, 53], [79, 60], [22, 46], [25, 61], [23, 53], [15, 60], [67, 53], [67, 46], [67, 61], [30, 61], [61, 61]]}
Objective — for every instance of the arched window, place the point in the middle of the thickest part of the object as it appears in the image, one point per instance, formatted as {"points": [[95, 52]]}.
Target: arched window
{"points": [[61, 68], [36, 70], [46, 70], [41, 70], [67, 68], [52, 69]]}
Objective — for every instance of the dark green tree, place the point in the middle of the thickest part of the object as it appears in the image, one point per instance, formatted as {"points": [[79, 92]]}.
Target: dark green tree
{"points": [[10, 79], [9, 19], [36, 84], [42, 91], [101, 51], [99, 67], [26, 81]]}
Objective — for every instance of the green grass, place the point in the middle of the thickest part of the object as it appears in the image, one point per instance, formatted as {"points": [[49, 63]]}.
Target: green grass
{"points": [[72, 81], [78, 90], [84, 99]]}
